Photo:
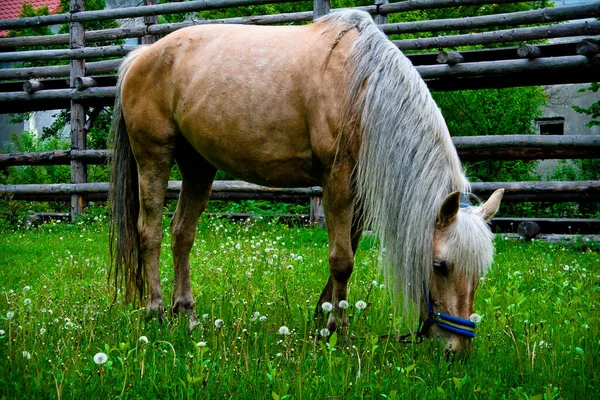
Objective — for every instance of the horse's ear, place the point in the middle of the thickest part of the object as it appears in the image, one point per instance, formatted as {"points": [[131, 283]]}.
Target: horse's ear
{"points": [[449, 210], [490, 207]]}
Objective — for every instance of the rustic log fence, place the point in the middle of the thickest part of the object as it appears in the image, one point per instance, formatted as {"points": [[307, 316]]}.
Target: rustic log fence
{"points": [[91, 83]]}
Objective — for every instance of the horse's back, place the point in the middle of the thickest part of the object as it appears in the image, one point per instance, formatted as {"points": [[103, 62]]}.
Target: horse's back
{"points": [[262, 103]]}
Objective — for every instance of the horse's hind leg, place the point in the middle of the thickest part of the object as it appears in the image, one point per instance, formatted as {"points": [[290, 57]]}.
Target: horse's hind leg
{"points": [[154, 165], [198, 176]]}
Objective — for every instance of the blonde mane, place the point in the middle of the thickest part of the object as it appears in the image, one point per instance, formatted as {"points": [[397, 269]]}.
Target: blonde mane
{"points": [[407, 163]]}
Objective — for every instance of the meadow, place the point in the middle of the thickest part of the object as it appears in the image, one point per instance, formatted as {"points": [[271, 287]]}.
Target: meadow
{"points": [[539, 336]]}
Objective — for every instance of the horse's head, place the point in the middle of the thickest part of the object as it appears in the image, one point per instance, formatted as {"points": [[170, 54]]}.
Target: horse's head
{"points": [[463, 251]]}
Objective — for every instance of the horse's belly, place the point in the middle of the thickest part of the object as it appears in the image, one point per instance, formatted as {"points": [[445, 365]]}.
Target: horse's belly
{"points": [[254, 158]]}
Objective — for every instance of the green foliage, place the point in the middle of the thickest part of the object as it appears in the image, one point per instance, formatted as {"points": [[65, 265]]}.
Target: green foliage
{"points": [[27, 142], [594, 110], [482, 112], [90, 5], [538, 337]]}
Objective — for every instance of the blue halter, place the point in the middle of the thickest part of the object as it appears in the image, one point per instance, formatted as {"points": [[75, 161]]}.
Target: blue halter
{"points": [[456, 325]]}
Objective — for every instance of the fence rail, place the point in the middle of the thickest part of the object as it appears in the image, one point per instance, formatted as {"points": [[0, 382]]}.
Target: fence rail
{"points": [[583, 191], [474, 148]]}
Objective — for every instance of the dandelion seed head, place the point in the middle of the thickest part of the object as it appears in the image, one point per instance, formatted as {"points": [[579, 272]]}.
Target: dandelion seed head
{"points": [[324, 332], [100, 358], [284, 330], [361, 305], [42, 331], [201, 344], [219, 323], [27, 301], [343, 304], [327, 306], [27, 355], [143, 339], [475, 318], [262, 318], [10, 315]]}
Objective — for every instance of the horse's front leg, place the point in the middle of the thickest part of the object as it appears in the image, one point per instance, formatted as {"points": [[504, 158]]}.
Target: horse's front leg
{"points": [[338, 202]]}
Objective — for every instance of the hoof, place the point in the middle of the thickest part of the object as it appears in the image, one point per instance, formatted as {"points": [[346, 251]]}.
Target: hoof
{"points": [[185, 307], [155, 312]]}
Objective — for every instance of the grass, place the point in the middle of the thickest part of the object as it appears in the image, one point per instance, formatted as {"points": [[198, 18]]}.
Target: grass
{"points": [[539, 336]]}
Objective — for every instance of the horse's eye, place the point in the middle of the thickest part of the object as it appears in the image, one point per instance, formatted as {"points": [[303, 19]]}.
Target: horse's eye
{"points": [[441, 268]]}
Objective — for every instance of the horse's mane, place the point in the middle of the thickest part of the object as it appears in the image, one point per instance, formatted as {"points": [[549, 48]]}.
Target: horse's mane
{"points": [[407, 163]]}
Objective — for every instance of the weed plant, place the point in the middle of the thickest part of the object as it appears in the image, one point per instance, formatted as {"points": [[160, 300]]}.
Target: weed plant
{"points": [[255, 286]]}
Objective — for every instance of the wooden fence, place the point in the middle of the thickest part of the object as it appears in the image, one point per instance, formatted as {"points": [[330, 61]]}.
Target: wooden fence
{"points": [[82, 85]]}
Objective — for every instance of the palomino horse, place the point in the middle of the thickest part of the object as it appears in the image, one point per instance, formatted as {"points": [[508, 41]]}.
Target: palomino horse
{"points": [[333, 104]]}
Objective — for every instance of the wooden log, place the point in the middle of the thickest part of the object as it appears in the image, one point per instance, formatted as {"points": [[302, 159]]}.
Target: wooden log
{"points": [[528, 230], [527, 147], [541, 16], [504, 66], [450, 58], [469, 148], [84, 82], [32, 86], [511, 35], [78, 136], [588, 47], [410, 5], [381, 19], [547, 225], [317, 212], [584, 74], [320, 8], [58, 94], [583, 191], [68, 54], [529, 51], [131, 12], [91, 68]]}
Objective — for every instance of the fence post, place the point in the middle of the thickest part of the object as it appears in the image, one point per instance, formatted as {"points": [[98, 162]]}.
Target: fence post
{"points": [[150, 20], [78, 138], [320, 8], [381, 19]]}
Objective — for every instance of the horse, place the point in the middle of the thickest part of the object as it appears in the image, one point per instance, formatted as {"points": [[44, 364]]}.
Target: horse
{"points": [[332, 103]]}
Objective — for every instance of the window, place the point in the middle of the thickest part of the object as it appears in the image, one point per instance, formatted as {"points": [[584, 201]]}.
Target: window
{"points": [[551, 126]]}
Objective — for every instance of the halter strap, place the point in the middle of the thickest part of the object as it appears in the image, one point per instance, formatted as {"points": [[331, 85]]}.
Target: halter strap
{"points": [[456, 325]]}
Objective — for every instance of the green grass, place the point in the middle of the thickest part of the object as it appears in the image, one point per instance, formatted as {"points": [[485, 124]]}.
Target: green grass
{"points": [[539, 336]]}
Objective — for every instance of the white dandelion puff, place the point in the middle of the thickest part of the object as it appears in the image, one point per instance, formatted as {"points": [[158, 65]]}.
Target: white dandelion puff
{"points": [[255, 316], [361, 305], [205, 316], [201, 344], [343, 304], [284, 330], [100, 358], [42, 331], [219, 323], [327, 306], [324, 332], [262, 318], [475, 318], [10, 315], [27, 355], [27, 301], [2, 332], [143, 339]]}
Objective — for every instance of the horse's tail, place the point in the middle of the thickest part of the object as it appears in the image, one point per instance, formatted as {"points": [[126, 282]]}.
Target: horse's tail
{"points": [[124, 239]]}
